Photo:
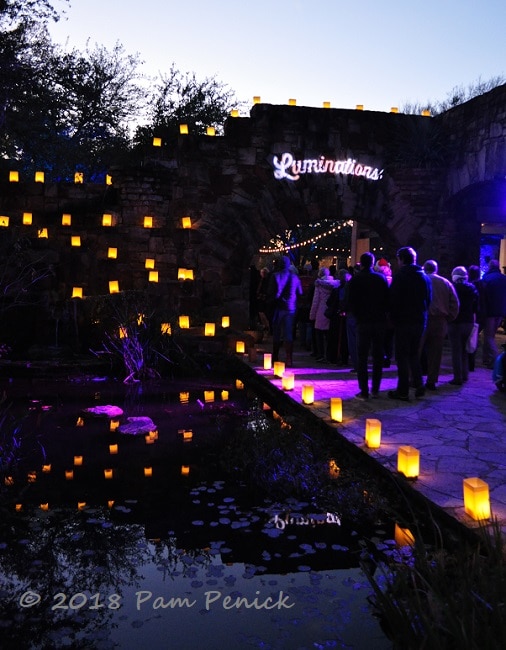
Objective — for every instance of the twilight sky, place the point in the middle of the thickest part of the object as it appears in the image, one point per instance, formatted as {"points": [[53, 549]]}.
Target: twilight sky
{"points": [[379, 54]]}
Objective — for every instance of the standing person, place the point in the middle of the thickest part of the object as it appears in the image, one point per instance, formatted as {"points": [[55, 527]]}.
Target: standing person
{"points": [[494, 290], [382, 266], [410, 296], [322, 290], [262, 305], [334, 314], [474, 277], [351, 321], [368, 301], [460, 329], [338, 333], [284, 290], [303, 324], [443, 309]]}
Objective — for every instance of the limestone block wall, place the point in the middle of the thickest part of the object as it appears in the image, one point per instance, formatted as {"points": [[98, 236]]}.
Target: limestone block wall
{"points": [[227, 186]]}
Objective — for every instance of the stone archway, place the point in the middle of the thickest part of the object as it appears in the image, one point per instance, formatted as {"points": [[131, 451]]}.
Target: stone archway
{"points": [[440, 177]]}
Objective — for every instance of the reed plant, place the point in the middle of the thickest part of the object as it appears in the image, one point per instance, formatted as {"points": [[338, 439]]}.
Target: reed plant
{"points": [[443, 599]]}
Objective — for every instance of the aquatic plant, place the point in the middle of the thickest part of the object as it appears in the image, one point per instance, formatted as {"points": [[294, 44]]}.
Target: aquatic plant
{"points": [[17, 443], [439, 598], [128, 332], [287, 461]]}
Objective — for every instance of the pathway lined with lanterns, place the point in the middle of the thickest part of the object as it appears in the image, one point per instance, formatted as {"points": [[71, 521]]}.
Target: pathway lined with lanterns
{"points": [[459, 431]]}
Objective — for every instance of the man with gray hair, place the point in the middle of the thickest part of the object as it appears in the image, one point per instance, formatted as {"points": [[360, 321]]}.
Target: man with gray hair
{"points": [[443, 308]]}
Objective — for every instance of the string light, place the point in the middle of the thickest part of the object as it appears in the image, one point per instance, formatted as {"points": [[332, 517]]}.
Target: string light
{"points": [[331, 249], [279, 247]]}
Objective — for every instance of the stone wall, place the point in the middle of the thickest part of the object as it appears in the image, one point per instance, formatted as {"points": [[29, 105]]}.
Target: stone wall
{"points": [[227, 186]]}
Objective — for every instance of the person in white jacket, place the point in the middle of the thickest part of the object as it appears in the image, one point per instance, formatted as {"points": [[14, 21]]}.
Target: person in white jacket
{"points": [[323, 288]]}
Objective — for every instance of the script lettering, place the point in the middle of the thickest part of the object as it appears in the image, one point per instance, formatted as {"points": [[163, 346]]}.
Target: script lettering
{"points": [[287, 167]]}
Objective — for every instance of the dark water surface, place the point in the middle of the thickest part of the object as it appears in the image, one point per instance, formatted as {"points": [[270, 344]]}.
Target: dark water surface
{"points": [[189, 556]]}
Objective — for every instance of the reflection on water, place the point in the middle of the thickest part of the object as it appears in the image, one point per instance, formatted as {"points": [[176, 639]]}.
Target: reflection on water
{"points": [[173, 559]]}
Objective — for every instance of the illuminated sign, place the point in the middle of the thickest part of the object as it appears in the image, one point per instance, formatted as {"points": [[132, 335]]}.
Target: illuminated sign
{"points": [[287, 167]]}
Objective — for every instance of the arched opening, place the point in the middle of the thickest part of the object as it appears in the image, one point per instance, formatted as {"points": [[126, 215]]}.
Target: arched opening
{"points": [[479, 214]]}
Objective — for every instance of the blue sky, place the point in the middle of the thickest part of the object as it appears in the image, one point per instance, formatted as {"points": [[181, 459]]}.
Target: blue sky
{"points": [[379, 54]]}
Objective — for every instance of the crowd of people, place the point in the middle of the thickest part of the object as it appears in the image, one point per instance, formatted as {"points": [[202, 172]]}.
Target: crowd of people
{"points": [[362, 317]]}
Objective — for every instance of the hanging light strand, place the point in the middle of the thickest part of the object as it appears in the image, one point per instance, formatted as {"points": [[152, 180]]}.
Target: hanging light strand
{"points": [[279, 247]]}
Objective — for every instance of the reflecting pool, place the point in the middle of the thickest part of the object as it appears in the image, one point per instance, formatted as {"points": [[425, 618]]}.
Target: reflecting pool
{"points": [[161, 539]]}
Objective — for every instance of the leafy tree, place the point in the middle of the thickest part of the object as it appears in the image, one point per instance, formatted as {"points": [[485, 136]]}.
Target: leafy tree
{"points": [[17, 12], [74, 111], [180, 98], [95, 96], [22, 24], [61, 111]]}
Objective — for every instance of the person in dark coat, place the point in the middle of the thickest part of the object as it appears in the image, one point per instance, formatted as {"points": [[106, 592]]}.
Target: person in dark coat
{"points": [[474, 277], [338, 349], [410, 296], [368, 301], [494, 289], [460, 329]]}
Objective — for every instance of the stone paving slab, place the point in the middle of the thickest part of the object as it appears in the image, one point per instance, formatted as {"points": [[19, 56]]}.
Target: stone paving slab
{"points": [[459, 430]]}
